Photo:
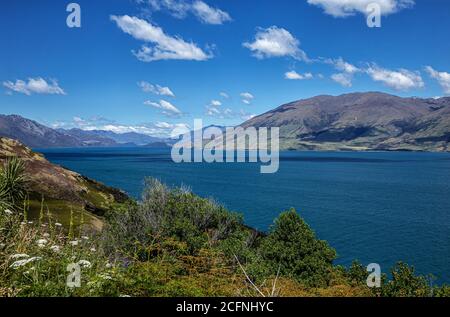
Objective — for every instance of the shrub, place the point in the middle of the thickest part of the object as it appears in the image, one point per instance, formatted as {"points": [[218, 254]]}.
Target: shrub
{"points": [[405, 283], [165, 212], [293, 247], [12, 184]]}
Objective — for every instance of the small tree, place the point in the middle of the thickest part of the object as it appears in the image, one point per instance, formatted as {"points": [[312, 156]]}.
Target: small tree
{"points": [[293, 247]]}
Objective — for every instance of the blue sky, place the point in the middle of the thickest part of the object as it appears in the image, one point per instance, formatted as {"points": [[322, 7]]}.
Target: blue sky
{"points": [[153, 65]]}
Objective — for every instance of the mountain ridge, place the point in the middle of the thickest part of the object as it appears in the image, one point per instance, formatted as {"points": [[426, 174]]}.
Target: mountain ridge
{"points": [[361, 121], [36, 135]]}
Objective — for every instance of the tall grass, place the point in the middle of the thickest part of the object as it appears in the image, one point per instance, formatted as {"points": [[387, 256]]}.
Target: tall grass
{"points": [[12, 184]]}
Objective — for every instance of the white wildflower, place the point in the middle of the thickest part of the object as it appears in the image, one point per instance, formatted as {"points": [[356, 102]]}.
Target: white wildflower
{"points": [[8, 212], [55, 248], [57, 224], [30, 222], [41, 243], [108, 265], [85, 238], [93, 249], [24, 262], [73, 243], [19, 256], [85, 264]]}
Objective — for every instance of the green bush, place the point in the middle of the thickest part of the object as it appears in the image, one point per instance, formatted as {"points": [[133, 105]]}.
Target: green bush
{"points": [[165, 212], [405, 283], [293, 247]]}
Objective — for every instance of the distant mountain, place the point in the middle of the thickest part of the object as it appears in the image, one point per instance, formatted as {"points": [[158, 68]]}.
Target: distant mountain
{"points": [[122, 138], [89, 138], [157, 145], [361, 121], [36, 135]]}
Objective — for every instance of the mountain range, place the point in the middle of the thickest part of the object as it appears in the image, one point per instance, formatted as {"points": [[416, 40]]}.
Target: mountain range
{"points": [[36, 135], [356, 121], [361, 121]]}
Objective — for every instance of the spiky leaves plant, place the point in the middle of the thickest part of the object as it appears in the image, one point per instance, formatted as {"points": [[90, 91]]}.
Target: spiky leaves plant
{"points": [[12, 184]]}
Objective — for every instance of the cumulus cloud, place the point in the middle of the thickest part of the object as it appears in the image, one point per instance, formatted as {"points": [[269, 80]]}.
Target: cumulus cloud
{"points": [[346, 71], [345, 8], [167, 108], [34, 86], [247, 97], [213, 109], [181, 8], [216, 103], [176, 8], [343, 79], [401, 79], [224, 95], [443, 78], [293, 75], [275, 42], [155, 89], [209, 15], [344, 66], [164, 46]]}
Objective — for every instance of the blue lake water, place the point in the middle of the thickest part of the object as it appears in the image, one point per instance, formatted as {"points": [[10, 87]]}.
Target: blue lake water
{"points": [[377, 207]]}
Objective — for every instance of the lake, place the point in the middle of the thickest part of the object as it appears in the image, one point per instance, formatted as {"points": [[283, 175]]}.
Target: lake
{"points": [[378, 207]]}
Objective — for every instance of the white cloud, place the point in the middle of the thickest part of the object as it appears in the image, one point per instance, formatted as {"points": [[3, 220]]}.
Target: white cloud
{"points": [[180, 9], [346, 71], [158, 129], [214, 110], [343, 79], [401, 79], [167, 108], [275, 42], [209, 15], [293, 75], [247, 97], [344, 66], [177, 9], [216, 103], [345, 8], [443, 78], [155, 89], [164, 46], [224, 95], [35, 86]]}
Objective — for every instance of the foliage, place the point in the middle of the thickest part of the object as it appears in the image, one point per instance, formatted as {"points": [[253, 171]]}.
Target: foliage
{"points": [[405, 283], [12, 184], [175, 213], [293, 247], [174, 243]]}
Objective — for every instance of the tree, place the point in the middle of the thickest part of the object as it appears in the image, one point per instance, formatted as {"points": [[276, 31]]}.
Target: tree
{"points": [[293, 247]]}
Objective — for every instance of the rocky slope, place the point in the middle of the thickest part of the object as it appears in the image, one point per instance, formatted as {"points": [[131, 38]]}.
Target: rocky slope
{"points": [[60, 188], [361, 121]]}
